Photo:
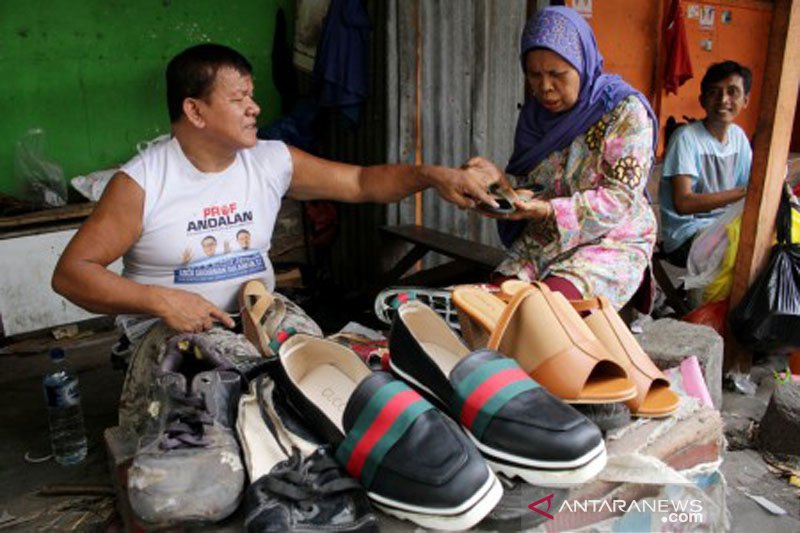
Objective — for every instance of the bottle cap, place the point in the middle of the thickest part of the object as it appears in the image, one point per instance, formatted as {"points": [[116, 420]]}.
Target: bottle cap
{"points": [[57, 354]]}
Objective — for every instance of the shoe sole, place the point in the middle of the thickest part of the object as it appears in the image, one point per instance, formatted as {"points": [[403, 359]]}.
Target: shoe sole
{"points": [[556, 477], [459, 518], [533, 471]]}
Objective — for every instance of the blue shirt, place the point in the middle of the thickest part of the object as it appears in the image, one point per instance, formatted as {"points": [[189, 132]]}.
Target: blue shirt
{"points": [[713, 167]]}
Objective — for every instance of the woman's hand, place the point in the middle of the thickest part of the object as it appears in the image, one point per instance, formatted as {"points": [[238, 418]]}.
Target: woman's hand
{"points": [[186, 311], [528, 207], [531, 208]]}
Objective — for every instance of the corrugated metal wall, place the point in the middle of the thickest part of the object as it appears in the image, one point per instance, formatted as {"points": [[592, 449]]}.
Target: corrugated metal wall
{"points": [[471, 84]]}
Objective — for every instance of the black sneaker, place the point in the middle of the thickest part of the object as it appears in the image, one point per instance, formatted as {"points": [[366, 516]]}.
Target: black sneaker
{"points": [[187, 468], [298, 484]]}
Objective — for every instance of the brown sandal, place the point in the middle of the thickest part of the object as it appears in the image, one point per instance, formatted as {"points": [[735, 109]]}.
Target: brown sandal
{"points": [[261, 314], [547, 337], [654, 397]]}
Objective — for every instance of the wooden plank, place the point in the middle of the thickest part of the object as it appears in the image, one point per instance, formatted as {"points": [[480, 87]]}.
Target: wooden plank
{"points": [[449, 245], [771, 147], [68, 212], [445, 274], [407, 261]]}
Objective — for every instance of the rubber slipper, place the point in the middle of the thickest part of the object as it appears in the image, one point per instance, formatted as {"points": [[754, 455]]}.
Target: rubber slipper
{"points": [[378, 425], [542, 331], [261, 315], [389, 299], [519, 427], [654, 398]]}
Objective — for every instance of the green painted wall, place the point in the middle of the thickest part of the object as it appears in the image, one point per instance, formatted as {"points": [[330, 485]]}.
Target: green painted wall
{"points": [[90, 72]]}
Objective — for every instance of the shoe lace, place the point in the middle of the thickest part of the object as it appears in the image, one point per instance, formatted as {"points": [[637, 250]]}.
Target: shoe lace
{"points": [[186, 422], [302, 480], [298, 479]]}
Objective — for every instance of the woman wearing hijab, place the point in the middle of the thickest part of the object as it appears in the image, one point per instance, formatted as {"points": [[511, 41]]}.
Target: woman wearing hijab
{"points": [[585, 142]]}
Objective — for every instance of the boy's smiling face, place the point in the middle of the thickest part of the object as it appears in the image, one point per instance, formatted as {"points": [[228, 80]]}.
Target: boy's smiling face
{"points": [[725, 99]]}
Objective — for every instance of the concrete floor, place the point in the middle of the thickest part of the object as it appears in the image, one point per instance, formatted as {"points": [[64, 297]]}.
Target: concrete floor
{"points": [[23, 429]]}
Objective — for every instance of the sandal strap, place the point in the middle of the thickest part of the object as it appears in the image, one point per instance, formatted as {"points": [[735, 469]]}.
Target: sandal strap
{"points": [[387, 416], [261, 305], [486, 390], [257, 300]]}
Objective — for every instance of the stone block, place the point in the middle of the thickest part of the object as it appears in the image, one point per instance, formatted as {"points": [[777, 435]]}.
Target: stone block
{"points": [[668, 342], [682, 442], [779, 432]]}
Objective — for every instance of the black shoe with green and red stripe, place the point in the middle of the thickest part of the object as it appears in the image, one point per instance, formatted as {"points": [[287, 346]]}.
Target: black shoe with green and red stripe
{"points": [[415, 462], [520, 428]]}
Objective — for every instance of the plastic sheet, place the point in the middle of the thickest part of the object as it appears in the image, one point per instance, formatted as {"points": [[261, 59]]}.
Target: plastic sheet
{"points": [[708, 249], [43, 180]]}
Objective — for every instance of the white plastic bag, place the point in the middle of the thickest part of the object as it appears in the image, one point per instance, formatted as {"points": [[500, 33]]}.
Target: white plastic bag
{"points": [[42, 180], [708, 249], [92, 185]]}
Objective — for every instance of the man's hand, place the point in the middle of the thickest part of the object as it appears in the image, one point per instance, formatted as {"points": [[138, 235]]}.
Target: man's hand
{"points": [[468, 186], [527, 206], [489, 173], [186, 311]]}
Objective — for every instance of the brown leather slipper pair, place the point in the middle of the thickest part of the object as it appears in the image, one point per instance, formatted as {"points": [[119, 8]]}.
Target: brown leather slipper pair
{"points": [[543, 331]]}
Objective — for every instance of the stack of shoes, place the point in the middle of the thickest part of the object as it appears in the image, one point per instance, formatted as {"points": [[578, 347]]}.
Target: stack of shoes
{"points": [[187, 467], [297, 485], [378, 428], [520, 428], [547, 337], [609, 377], [654, 397]]}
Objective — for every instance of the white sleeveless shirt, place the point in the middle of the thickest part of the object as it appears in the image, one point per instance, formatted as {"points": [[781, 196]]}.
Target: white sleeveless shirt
{"points": [[207, 232]]}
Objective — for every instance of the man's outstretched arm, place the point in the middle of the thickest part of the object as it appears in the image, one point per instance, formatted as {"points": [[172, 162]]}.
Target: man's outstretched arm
{"points": [[314, 178]]}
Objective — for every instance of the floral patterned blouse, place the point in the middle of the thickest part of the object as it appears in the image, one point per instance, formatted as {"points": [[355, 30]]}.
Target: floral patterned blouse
{"points": [[604, 230]]}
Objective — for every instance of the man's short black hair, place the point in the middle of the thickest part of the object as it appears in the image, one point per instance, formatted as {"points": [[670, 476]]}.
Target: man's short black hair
{"points": [[720, 71], [242, 231], [191, 73]]}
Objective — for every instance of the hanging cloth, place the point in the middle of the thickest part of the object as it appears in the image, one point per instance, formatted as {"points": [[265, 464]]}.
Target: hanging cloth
{"points": [[679, 65], [340, 68]]}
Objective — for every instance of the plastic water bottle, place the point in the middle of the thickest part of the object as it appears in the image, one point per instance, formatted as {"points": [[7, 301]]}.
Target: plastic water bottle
{"points": [[67, 433]]}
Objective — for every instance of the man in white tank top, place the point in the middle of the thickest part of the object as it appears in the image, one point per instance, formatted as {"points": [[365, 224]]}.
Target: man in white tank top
{"points": [[192, 215]]}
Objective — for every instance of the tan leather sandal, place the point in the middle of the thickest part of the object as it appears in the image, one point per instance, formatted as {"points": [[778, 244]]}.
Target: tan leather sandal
{"points": [[547, 337], [654, 398], [261, 315]]}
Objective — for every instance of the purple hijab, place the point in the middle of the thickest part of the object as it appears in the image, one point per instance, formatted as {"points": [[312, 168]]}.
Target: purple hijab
{"points": [[541, 132]]}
